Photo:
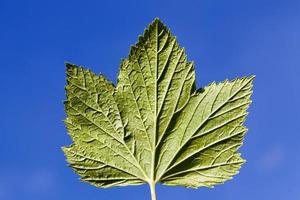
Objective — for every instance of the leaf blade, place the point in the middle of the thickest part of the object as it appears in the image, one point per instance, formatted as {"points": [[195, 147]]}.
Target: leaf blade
{"points": [[154, 126], [155, 81], [94, 123], [209, 124]]}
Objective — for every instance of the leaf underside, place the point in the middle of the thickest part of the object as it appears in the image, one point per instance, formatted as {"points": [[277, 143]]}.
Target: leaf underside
{"points": [[154, 126]]}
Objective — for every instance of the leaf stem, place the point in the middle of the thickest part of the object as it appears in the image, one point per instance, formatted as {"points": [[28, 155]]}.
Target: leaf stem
{"points": [[152, 190]]}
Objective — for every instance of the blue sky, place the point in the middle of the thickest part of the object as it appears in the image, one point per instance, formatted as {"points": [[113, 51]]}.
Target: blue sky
{"points": [[225, 38]]}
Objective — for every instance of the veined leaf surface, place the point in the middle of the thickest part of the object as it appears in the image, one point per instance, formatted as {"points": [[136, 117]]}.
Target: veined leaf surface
{"points": [[154, 126]]}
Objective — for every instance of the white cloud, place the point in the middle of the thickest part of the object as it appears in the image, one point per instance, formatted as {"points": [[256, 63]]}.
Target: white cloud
{"points": [[271, 158], [39, 181], [5, 191], [16, 182]]}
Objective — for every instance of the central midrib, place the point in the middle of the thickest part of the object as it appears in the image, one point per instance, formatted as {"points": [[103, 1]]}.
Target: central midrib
{"points": [[152, 179]]}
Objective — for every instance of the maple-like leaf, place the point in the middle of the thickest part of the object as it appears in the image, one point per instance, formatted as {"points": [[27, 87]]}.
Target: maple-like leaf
{"points": [[154, 126]]}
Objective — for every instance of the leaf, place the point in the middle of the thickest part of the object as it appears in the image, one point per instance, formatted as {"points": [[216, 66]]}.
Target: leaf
{"points": [[154, 126]]}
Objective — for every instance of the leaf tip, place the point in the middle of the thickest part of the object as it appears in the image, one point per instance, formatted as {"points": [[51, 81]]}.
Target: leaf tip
{"points": [[64, 149], [69, 65], [156, 20], [251, 78]]}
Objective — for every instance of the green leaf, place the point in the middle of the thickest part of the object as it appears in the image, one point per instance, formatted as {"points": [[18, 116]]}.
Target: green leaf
{"points": [[154, 126]]}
